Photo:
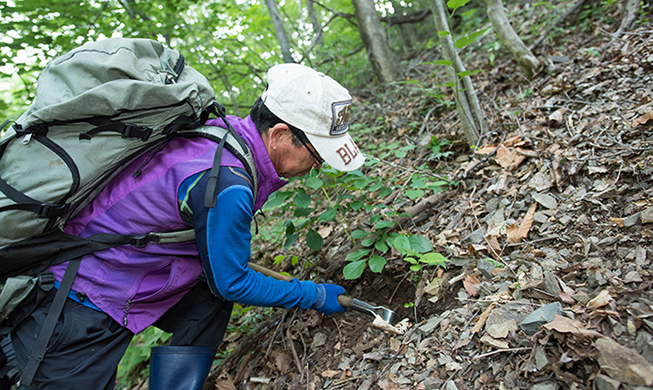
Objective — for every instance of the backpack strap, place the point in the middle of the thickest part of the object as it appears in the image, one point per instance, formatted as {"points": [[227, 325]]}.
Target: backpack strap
{"points": [[226, 138], [42, 340]]}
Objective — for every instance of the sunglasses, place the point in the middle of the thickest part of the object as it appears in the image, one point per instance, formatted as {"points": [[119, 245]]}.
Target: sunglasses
{"points": [[302, 138]]}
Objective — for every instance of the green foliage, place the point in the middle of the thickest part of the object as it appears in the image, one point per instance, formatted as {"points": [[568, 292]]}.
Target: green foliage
{"points": [[436, 148], [232, 43], [138, 353]]}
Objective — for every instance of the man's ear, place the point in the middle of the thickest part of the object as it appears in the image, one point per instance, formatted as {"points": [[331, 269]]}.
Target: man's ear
{"points": [[277, 133]]}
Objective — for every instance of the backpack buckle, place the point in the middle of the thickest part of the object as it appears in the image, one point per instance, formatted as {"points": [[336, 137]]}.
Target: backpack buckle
{"points": [[46, 281], [49, 210], [139, 241], [134, 131]]}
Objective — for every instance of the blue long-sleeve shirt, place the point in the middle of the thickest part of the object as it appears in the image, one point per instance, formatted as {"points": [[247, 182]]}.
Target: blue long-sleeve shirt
{"points": [[223, 238]]}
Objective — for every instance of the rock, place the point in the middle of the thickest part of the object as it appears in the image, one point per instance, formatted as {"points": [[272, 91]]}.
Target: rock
{"points": [[647, 215], [432, 384], [541, 360], [501, 330], [430, 325], [632, 220], [451, 385], [485, 268], [623, 364], [539, 317], [545, 200], [551, 284], [604, 382], [442, 360], [318, 340], [632, 276], [644, 342], [545, 386]]}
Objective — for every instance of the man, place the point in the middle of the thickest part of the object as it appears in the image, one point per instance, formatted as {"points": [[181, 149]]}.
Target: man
{"points": [[187, 289]]}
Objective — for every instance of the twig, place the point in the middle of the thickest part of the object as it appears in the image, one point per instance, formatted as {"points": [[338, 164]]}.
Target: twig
{"points": [[294, 352], [484, 159], [397, 288], [499, 351]]}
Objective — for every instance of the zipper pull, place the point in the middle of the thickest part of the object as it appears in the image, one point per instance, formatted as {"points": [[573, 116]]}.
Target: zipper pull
{"points": [[124, 319], [27, 138]]}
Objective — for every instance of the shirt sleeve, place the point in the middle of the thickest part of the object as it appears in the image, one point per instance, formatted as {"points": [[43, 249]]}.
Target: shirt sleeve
{"points": [[223, 239]]}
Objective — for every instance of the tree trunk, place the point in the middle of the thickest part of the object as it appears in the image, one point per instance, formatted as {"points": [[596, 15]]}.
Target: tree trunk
{"points": [[406, 30], [469, 109], [317, 27], [524, 57], [282, 37], [373, 36]]}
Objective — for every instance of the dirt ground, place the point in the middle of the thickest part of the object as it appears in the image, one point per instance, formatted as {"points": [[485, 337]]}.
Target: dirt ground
{"points": [[558, 197]]}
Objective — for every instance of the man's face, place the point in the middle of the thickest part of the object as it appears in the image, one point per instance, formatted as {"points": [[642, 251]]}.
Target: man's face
{"points": [[291, 160]]}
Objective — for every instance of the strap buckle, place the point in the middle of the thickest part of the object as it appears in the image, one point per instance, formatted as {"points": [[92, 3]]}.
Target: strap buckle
{"points": [[49, 210], [134, 131], [139, 241], [46, 281]]}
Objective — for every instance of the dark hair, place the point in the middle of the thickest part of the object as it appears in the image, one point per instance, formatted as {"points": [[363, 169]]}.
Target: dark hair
{"points": [[264, 119]]}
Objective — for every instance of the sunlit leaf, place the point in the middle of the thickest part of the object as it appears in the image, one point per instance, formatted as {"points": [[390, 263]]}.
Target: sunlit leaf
{"points": [[354, 270], [457, 3]]}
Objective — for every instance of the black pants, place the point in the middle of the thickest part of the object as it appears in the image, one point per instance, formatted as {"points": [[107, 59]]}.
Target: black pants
{"points": [[87, 345]]}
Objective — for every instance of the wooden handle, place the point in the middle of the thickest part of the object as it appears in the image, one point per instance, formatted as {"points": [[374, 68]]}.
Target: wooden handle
{"points": [[344, 301], [269, 272]]}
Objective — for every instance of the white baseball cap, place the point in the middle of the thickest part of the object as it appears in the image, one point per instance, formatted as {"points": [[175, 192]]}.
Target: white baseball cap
{"points": [[317, 105]]}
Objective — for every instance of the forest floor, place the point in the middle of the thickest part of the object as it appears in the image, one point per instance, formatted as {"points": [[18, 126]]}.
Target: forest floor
{"points": [[549, 234]]}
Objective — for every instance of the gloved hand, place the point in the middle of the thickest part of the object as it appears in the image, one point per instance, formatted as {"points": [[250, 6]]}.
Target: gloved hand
{"points": [[326, 299]]}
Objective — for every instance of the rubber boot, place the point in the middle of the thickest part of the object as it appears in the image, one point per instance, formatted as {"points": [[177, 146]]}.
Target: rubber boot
{"points": [[180, 368]]}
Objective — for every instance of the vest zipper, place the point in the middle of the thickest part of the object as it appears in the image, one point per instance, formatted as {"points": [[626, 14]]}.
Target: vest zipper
{"points": [[124, 319]]}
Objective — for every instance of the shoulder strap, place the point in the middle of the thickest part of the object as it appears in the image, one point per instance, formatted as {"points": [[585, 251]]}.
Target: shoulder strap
{"points": [[226, 138]]}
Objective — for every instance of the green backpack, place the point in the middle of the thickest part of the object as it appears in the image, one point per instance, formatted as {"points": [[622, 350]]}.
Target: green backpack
{"points": [[97, 108]]}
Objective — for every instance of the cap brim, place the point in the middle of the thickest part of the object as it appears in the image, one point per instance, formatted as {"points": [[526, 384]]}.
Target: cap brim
{"points": [[340, 152]]}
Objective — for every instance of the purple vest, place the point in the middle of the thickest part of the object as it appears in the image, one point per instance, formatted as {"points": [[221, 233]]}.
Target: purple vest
{"points": [[136, 286]]}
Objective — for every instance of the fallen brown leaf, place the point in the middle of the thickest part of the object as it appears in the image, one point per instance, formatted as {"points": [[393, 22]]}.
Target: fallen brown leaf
{"points": [[469, 283], [601, 300], [329, 373], [516, 234], [643, 119], [482, 318], [618, 221], [566, 325]]}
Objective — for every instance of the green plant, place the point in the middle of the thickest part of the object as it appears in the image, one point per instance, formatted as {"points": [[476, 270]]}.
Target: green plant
{"points": [[138, 353], [436, 148]]}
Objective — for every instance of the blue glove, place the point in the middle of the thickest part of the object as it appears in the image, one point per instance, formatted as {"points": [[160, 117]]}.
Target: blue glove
{"points": [[326, 298]]}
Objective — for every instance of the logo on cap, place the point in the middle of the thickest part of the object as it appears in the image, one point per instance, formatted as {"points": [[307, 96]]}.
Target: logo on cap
{"points": [[340, 111]]}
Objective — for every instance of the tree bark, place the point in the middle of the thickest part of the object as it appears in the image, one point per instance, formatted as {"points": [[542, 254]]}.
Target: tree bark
{"points": [[524, 57], [373, 36], [472, 120], [279, 30], [630, 13], [406, 31]]}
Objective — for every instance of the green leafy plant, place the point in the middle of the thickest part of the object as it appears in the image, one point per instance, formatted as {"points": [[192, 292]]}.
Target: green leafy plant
{"points": [[138, 353], [436, 148]]}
